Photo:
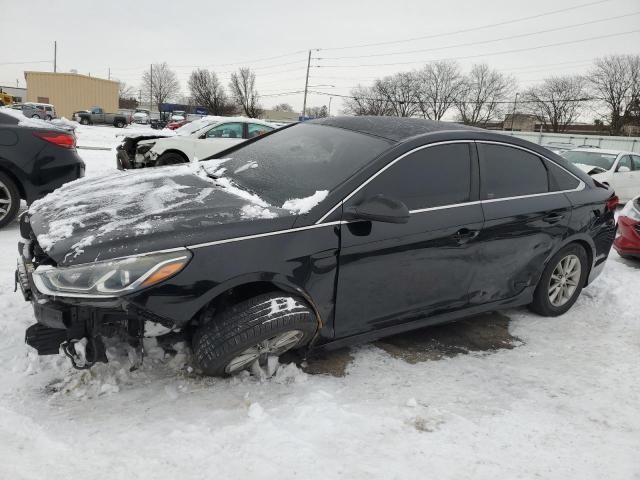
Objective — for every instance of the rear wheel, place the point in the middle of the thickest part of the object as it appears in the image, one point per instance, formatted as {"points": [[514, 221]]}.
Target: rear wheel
{"points": [[170, 158], [253, 333], [9, 200], [119, 124], [561, 282]]}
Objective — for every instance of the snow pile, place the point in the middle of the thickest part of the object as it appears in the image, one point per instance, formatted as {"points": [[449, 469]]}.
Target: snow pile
{"points": [[304, 205]]}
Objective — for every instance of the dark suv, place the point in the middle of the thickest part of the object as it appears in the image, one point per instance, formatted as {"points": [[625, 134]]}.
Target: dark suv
{"points": [[35, 159], [321, 234]]}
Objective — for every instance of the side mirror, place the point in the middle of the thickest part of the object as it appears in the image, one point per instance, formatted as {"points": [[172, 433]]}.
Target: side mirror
{"points": [[623, 169], [379, 209]]}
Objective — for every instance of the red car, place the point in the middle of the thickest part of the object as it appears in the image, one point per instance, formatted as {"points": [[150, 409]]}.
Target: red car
{"points": [[627, 242], [178, 124]]}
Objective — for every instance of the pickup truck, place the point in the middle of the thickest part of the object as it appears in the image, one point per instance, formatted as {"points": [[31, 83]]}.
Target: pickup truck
{"points": [[96, 115]]}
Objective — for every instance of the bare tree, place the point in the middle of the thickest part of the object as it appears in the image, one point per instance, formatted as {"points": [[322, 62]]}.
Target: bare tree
{"points": [[483, 92], [283, 107], [364, 101], [438, 85], [163, 86], [244, 93], [317, 112], [556, 102], [124, 90], [207, 91], [399, 91], [616, 80]]}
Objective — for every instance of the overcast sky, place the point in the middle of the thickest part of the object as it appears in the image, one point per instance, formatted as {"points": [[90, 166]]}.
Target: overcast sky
{"points": [[126, 36]]}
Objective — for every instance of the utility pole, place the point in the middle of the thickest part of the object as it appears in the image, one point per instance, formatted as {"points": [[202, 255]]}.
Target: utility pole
{"points": [[17, 84], [151, 89], [306, 86], [109, 73], [513, 115], [55, 56], [329, 109]]}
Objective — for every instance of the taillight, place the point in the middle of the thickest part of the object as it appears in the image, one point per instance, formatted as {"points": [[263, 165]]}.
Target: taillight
{"points": [[613, 202], [64, 140]]}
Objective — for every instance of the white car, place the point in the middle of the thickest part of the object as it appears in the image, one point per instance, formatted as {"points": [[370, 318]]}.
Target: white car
{"points": [[197, 140], [616, 168]]}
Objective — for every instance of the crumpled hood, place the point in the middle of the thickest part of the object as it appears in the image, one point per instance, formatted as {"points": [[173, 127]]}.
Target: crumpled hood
{"points": [[590, 169], [115, 215]]}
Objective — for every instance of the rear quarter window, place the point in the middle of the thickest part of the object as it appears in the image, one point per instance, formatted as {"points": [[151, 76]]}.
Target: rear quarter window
{"points": [[560, 179]]}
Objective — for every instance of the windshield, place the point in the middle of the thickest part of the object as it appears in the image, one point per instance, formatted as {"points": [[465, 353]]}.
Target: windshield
{"points": [[302, 161], [595, 159]]}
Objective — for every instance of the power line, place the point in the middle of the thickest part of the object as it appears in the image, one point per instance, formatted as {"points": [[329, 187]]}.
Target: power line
{"points": [[472, 29], [467, 44], [517, 50]]}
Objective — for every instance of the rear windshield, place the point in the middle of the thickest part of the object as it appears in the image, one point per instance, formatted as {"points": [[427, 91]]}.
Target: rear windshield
{"points": [[594, 159], [300, 161]]}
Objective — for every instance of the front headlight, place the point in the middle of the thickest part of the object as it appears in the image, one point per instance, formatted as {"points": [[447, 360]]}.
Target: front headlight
{"points": [[111, 278], [630, 211]]}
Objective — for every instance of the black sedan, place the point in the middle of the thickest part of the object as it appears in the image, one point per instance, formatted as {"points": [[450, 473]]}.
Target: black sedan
{"points": [[317, 235], [35, 158]]}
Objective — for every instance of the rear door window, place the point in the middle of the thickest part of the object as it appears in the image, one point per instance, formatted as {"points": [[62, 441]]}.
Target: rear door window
{"points": [[226, 130], [431, 177], [510, 172]]}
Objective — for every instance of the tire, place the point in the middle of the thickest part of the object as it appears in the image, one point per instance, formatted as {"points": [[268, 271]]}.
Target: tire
{"points": [[84, 121], [48, 117], [554, 297], [119, 124], [9, 200], [170, 158], [35, 116], [252, 327]]}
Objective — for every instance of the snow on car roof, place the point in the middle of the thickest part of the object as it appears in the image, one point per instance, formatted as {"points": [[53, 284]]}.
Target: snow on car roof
{"points": [[24, 121], [606, 151]]}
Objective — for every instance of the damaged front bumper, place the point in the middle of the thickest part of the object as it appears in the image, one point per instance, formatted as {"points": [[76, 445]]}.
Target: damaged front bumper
{"points": [[64, 321]]}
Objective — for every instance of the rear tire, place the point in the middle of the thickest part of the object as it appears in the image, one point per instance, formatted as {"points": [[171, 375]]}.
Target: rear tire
{"points": [[119, 124], [9, 200], [170, 158], [561, 282], [245, 335]]}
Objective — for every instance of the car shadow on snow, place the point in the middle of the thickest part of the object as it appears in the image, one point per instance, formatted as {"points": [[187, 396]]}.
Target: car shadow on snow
{"points": [[486, 332]]}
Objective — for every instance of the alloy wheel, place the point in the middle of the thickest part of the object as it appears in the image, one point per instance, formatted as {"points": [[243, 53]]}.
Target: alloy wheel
{"points": [[258, 355], [5, 200], [564, 280]]}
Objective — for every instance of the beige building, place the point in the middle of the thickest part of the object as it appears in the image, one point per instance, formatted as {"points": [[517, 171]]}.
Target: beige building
{"points": [[70, 92]]}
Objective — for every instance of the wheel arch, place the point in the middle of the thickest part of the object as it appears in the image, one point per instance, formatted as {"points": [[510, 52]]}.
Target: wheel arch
{"points": [[176, 151], [245, 286], [9, 173], [584, 241]]}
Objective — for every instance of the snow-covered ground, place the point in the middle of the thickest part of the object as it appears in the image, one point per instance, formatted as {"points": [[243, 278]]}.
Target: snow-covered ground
{"points": [[562, 401]]}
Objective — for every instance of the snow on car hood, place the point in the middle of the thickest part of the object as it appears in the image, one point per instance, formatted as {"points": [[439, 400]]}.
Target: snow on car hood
{"points": [[140, 211], [590, 169]]}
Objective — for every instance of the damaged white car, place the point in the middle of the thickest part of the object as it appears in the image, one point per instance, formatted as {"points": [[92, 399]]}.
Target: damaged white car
{"points": [[193, 141]]}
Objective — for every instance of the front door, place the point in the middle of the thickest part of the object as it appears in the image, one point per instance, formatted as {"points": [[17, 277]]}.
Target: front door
{"points": [[395, 273], [219, 138], [526, 217], [626, 177]]}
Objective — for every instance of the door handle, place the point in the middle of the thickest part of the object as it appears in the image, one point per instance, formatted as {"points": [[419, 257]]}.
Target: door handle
{"points": [[465, 235], [553, 218]]}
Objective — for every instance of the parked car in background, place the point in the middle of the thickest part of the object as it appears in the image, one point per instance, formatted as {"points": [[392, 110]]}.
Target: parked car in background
{"points": [[317, 235], [49, 110], [627, 242], [617, 168], [34, 160], [142, 116], [97, 116], [195, 140], [29, 111], [178, 116], [176, 125]]}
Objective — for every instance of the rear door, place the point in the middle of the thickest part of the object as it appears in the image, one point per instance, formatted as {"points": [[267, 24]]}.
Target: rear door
{"points": [[526, 218], [395, 273]]}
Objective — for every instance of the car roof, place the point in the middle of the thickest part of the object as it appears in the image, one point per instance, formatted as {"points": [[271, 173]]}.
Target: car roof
{"points": [[395, 129], [606, 151]]}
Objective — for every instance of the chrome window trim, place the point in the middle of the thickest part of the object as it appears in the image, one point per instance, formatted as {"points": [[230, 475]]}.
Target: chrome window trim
{"points": [[580, 186], [260, 235]]}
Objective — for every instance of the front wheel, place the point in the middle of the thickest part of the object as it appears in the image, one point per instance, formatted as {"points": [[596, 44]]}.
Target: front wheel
{"points": [[561, 282], [9, 200], [84, 121], [250, 334], [170, 158]]}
